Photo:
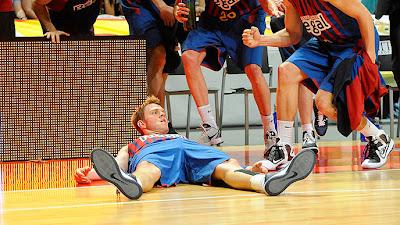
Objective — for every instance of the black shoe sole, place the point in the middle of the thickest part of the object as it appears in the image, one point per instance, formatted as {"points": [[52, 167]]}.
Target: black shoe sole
{"points": [[313, 148], [299, 168], [108, 169]]}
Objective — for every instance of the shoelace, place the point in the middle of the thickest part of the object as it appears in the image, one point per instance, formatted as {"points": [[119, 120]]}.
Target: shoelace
{"points": [[276, 152], [370, 150], [321, 120], [308, 137]]}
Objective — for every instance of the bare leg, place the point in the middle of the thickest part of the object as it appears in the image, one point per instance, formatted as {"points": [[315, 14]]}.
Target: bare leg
{"points": [[289, 78], [226, 172], [260, 88], [191, 61], [27, 6], [148, 175], [324, 102], [155, 76], [305, 104]]}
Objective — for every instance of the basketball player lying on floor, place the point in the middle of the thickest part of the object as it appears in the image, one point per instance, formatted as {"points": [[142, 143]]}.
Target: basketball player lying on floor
{"points": [[168, 159]]}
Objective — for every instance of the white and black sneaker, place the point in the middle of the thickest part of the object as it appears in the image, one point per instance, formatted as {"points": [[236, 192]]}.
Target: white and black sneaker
{"points": [[107, 168], [210, 135], [320, 122], [299, 168], [269, 140], [377, 151], [278, 154], [309, 142]]}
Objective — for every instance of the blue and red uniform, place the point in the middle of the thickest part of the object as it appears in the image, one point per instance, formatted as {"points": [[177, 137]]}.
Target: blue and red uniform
{"points": [[75, 17], [180, 160], [7, 20], [220, 33], [337, 38], [145, 22]]}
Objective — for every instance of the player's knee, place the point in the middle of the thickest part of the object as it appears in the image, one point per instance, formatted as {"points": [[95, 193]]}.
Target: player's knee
{"points": [[287, 74], [158, 55], [233, 162], [189, 58], [254, 73], [323, 103]]}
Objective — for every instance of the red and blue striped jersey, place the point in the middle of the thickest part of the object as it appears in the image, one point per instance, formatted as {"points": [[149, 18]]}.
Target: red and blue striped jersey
{"points": [[6, 6], [146, 140], [220, 13], [326, 22]]}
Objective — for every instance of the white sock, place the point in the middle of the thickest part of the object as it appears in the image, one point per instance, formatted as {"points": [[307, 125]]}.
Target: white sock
{"points": [[257, 182], [307, 128], [206, 115], [370, 129], [268, 123], [285, 131]]}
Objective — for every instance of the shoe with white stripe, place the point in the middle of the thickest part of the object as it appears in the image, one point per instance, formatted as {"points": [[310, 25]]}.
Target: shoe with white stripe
{"points": [[298, 169], [376, 152], [107, 168]]}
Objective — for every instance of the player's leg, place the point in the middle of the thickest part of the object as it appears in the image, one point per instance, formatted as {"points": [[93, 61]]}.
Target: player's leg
{"points": [[305, 111], [200, 49]]}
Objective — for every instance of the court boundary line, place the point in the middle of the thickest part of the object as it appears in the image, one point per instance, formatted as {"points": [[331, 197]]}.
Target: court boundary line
{"points": [[193, 198], [107, 185]]}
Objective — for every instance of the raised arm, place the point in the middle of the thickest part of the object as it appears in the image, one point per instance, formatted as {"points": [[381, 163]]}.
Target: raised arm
{"points": [[283, 38], [39, 6], [87, 174], [355, 9]]}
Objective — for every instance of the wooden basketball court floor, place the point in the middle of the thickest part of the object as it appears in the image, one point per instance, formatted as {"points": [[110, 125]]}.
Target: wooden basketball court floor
{"points": [[339, 191]]}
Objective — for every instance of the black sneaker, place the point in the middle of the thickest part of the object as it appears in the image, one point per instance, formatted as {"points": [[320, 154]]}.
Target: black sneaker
{"points": [[320, 122], [299, 168], [107, 168], [279, 154], [377, 150], [309, 142]]}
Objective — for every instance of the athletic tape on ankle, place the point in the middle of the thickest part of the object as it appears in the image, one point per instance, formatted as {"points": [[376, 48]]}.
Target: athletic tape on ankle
{"points": [[249, 172]]}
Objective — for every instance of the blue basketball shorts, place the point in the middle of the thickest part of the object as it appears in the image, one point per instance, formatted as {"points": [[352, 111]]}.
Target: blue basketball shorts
{"points": [[221, 43], [180, 161], [318, 60]]}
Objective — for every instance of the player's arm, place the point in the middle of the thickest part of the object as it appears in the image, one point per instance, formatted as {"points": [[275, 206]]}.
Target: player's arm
{"points": [[40, 9], [283, 38], [355, 9], [166, 12], [87, 174]]}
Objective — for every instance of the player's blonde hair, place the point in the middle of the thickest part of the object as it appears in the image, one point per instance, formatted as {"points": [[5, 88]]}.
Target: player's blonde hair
{"points": [[138, 114]]}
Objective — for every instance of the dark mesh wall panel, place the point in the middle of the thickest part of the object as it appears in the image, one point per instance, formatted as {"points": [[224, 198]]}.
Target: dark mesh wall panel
{"points": [[62, 100]]}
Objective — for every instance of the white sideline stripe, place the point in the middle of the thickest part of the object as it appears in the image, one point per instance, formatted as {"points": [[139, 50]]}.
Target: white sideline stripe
{"points": [[190, 199], [107, 185]]}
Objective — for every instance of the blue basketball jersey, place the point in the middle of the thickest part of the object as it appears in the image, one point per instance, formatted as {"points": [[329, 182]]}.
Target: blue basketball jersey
{"points": [[327, 23], [220, 14]]}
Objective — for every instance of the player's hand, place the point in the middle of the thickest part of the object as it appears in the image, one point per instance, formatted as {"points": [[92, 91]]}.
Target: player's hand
{"points": [[54, 36], [258, 168], [81, 175], [276, 8], [251, 37], [279, 4], [181, 12], [167, 15]]}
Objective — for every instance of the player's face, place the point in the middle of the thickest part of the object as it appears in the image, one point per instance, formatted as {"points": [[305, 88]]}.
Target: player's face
{"points": [[155, 119]]}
